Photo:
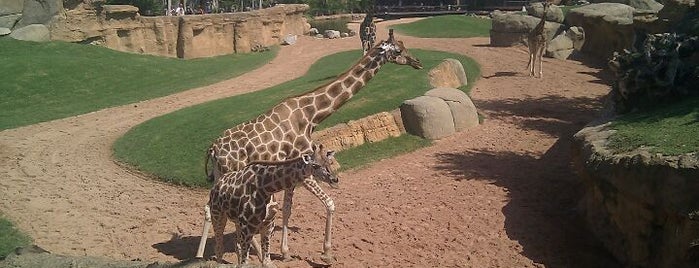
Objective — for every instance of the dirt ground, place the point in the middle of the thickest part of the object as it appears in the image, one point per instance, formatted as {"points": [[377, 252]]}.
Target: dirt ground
{"points": [[499, 195]]}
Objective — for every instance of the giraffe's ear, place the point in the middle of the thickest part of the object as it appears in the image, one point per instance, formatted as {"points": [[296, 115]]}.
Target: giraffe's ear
{"points": [[390, 36], [307, 159], [330, 154]]}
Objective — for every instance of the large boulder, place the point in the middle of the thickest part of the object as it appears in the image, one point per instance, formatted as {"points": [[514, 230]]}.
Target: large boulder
{"points": [[449, 73], [577, 35], [332, 34], [39, 12], [289, 39], [463, 111], [563, 45], [512, 29], [608, 27], [641, 205], [34, 32], [427, 117], [9, 21], [639, 5], [8, 7], [4, 31], [553, 13]]}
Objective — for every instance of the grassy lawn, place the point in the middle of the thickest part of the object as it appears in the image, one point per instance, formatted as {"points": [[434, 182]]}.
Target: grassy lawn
{"points": [[450, 26], [670, 130], [46, 81], [172, 147], [10, 238]]}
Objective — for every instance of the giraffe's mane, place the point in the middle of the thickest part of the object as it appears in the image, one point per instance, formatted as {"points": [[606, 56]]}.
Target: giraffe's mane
{"points": [[273, 163]]}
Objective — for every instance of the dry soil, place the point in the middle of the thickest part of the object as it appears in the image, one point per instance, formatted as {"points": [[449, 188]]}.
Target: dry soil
{"points": [[499, 195]]}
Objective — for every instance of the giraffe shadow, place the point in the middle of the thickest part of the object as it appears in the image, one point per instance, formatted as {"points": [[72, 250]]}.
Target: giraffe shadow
{"points": [[185, 247], [503, 74]]}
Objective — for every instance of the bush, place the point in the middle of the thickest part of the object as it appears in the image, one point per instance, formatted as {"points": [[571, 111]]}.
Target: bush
{"points": [[145, 7], [660, 70], [331, 24]]}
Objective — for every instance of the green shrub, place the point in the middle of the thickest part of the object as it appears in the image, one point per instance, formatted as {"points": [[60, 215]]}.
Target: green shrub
{"points": [[658, 71], [10, 238], [332, 24]]}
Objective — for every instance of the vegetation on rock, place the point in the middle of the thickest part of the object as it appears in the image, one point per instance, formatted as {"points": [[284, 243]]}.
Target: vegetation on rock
{"points": [[662, 69]]}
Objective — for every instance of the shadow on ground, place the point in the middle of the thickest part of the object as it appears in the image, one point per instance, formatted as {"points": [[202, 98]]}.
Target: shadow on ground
{"points": [[185, 247], [543, 190], [553, 115]]}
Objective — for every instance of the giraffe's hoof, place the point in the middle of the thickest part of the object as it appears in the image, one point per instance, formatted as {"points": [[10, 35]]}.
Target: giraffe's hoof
{"points": [[327, 258]]}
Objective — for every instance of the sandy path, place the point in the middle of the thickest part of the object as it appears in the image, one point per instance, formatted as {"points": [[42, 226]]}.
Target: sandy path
{"points": [[500, 195]]}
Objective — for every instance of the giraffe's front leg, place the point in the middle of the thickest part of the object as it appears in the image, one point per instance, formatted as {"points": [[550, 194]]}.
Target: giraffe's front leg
{"points": [[266, 234], [245, 238], [286, 213], [205, 234], [327, 244], [314, 188], [219, 222]]}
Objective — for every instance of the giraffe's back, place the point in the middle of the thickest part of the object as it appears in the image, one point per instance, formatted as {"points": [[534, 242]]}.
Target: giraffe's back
{"points": [[269, 137]]}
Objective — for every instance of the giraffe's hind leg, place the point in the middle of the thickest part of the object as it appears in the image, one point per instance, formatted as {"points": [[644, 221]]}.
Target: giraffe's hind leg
{"points": [[540, 56], [219, 221]]}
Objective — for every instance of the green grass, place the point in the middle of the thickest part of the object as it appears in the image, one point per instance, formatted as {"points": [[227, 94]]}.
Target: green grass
{"points": [[172, 147], [10, 238], [670, 130], [46, 81], [450, 26], [362, 155]]}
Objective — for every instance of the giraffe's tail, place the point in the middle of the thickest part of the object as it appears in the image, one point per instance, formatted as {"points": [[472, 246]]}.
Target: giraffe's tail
{"points": [[210, 157]]}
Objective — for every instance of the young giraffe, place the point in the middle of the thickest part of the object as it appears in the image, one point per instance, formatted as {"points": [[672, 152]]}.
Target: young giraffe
{"points": [[536, 40], [246, 197], [367, 31], [284, 132]]}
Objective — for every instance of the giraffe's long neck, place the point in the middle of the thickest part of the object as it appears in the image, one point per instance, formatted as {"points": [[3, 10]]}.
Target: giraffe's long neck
{"points": [[540, 27], [281, 176], [323, 101]]}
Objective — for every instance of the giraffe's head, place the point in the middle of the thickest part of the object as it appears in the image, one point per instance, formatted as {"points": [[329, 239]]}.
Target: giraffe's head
{"points": [[321, 163], [396, 52], [545, 4]]}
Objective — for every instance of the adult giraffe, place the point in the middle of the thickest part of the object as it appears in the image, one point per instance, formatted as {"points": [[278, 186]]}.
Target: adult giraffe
{"points": [[284, 132]]}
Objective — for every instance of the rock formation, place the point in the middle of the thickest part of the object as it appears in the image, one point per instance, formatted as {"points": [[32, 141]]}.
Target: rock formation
{"points": [[643, 207], [510, 29], [449, 73], [608, 27]]}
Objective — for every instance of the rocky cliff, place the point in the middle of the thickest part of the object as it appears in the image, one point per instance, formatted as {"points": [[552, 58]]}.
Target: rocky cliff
{"points": [[122, 28], [644, 207]]}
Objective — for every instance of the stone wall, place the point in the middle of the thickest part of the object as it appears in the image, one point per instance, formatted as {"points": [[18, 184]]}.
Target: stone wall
{"points": [[643, 207], [191, 36]]}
